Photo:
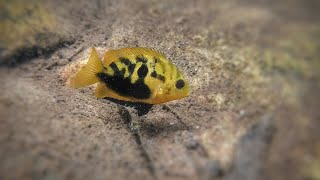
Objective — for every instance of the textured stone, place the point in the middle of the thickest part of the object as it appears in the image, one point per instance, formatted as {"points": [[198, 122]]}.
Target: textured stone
{"points": [[253, 67]]}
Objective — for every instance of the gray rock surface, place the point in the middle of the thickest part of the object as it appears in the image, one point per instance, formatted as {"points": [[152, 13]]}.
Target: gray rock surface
{"points": [[253, 67]]}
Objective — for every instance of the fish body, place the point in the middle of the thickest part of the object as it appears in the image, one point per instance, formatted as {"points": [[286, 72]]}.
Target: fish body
{"points": [[133, 74]]}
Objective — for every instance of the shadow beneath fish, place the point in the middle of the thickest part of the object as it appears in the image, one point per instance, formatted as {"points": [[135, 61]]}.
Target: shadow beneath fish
{"points": [[142, 108], [150, 129]]}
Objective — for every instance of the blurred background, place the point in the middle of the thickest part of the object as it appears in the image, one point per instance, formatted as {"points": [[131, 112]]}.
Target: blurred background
{"points": [[253, 113]]}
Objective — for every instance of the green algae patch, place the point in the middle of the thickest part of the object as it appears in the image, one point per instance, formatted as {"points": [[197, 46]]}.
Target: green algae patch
{"points": [[28, 28]]}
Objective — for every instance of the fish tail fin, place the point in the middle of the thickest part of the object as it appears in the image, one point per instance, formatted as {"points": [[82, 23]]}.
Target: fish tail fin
{"points": [[88, 74]]}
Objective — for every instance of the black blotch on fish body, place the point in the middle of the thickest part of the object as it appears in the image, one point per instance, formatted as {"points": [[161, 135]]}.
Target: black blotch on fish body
{"points": [[158, 76], [154, 74], [161, 78], [156, 60], [123, 86]]}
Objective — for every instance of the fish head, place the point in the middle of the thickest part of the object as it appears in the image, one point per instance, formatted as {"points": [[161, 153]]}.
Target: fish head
{"points": [[176, 88]]}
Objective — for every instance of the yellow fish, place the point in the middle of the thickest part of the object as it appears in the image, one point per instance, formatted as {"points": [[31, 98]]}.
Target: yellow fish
{"points": [[133, 74]]}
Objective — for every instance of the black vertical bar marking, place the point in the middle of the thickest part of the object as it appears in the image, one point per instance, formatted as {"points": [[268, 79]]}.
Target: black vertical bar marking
{"points": [[117, 72], [131, 68], [142, 71], [125, 61], [114, 67], [121, 73], [142, 59]]}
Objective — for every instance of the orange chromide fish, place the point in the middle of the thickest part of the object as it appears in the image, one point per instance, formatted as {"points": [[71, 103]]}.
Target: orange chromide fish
{"points": [[133, 74]]}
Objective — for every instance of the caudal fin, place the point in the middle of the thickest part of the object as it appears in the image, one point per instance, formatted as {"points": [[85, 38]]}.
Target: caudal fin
{"points": [[88, 74]]}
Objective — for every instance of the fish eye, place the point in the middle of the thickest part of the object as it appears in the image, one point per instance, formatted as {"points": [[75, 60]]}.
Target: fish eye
{"points": [[180, 84]]}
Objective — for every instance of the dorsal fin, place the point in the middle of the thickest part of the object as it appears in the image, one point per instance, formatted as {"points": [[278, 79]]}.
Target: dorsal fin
{"points": [[113, 55], [109, 57]]}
